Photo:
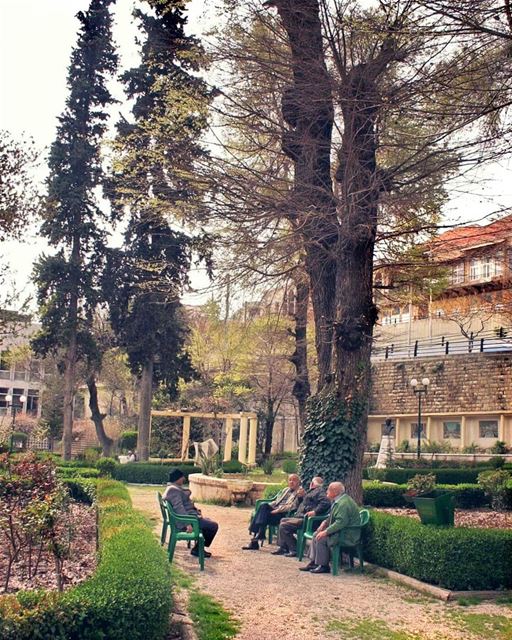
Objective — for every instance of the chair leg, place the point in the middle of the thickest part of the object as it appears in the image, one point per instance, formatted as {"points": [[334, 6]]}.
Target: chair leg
{"points": [[300, 542], [270, 533], [201, 553], [171, 547], [335, 560], [164, 533], [360, 556]]}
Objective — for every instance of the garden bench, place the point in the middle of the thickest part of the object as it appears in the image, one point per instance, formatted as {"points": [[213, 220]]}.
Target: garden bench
{"points": [[311, 525], [176, 521]]}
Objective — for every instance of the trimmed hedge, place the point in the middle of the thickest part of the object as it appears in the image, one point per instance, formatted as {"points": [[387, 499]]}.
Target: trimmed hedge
{"points": [[467, 496], [456, 558], [129, 596], [150, 473], [77, 472], [443, 476]]}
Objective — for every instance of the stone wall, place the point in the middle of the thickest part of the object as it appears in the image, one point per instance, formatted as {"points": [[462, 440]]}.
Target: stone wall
{"points": [[478, 382]]}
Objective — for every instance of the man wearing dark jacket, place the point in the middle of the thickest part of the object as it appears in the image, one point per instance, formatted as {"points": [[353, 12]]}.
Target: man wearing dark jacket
{"points": [[179, 499], [313, 502]]}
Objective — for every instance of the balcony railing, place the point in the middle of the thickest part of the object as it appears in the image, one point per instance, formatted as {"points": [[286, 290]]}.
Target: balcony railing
{"points": [[454, 344]]}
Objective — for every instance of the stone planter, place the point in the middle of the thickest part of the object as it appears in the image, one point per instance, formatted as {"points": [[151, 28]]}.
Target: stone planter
{"points": [[228, 490]]}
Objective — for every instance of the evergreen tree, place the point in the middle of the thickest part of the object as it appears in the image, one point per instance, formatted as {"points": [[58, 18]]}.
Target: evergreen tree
{"points": [[66, 281], [153, 178]]}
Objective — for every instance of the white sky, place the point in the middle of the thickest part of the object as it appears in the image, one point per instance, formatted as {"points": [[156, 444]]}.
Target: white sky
{"points": [[36, 39]]}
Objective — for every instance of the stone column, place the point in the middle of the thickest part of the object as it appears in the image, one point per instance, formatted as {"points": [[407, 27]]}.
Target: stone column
{"points": [[228, 443], [501, 428], [185, 438], [462, 432], [398, 432], [242, 442], [253, 431], [428, 429]]}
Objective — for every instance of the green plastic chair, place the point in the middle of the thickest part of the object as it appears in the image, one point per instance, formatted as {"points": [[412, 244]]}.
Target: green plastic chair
{"points": [[165, 519], [337, 549], [177, 534], [271, 528]]}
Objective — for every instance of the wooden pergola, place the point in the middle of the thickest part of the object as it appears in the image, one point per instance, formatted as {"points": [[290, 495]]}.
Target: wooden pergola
{"points": [[247, 439]]}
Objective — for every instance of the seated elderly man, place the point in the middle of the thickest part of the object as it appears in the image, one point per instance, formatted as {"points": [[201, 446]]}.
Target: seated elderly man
{"points": [[335, 528], [179, 499], [272, 512], [313, 502]]}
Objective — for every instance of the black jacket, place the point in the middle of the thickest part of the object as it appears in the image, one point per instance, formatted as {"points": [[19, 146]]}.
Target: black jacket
{"points": [[314, 500]]}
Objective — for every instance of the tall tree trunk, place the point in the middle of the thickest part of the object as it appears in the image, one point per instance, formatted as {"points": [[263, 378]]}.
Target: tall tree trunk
{"points": [[69, 394], [270, 419], [98, 417], [144, 423], [301, 387], [307, 108], [339, 248]]}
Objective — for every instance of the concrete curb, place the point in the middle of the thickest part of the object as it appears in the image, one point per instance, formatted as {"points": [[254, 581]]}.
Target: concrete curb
{"points": [[436, 592], [180, 617]]}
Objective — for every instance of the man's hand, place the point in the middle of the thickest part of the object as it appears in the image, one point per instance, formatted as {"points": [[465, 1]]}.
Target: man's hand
{"points": [[274, 512], [321, 534], [311, 513], [189, 528]]}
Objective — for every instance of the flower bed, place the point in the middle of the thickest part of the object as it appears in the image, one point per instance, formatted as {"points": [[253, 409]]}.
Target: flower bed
{"points": [[129, 595]]}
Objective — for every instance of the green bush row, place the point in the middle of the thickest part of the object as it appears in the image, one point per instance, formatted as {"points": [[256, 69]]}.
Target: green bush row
{"points": [[443, 476], [467, 496], [129, 595], [150, 473], [451, 557], [77, 472]]}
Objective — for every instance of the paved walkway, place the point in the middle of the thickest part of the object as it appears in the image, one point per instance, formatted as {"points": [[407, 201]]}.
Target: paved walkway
{"points": [[276, 601]]}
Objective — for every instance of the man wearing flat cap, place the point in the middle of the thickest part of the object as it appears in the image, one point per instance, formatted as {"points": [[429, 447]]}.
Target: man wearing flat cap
{"points": [[179, 499]]}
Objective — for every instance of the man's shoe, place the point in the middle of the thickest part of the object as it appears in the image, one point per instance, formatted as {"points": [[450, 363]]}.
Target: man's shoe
{"points": [[252, 546], [321, 569], [308, 567], [279, 552], [290, 554], [195, 552]]}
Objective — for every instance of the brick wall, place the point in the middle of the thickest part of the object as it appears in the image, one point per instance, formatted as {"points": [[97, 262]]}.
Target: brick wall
{"points": [[473, 382]]}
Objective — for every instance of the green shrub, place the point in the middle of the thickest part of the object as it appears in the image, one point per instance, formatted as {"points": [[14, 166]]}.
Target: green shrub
{"points": [[77, 472], [268, 465], [290, 466], [272, 489], [454, 558], [443, 476], [128, 441], [17, 441], [106, 467], [233, 466], [82, 490], [150, 473], [129, 595], [466, 496], [499, 447], [495, 484], [92, 455]]}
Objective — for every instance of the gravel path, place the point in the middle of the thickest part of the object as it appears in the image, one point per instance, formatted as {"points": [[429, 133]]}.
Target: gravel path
{"points": [[274, 600]]}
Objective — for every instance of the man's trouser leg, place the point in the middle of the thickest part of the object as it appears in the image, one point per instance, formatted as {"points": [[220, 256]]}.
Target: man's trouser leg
{"points": [[209, 529], [261, 519], [287, 527], [319, 552]]}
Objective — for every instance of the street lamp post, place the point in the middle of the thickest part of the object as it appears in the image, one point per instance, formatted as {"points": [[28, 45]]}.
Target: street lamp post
{"points": [[419, 391], [15, 407]]}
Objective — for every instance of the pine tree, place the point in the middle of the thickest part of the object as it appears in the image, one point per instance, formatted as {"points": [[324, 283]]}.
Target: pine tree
{"points": [[153, 178], [67, 280]]}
